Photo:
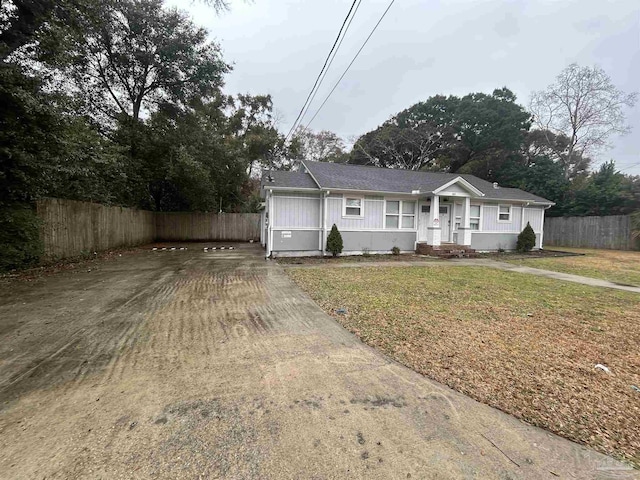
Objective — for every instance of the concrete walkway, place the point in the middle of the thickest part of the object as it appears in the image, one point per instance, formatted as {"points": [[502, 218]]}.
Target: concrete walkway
{"points": [[189, 364], [477, 262]]}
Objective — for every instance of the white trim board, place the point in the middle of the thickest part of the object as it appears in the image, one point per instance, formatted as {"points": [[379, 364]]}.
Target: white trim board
{"points": [[498, 232], [298, 198], [302, 229]]}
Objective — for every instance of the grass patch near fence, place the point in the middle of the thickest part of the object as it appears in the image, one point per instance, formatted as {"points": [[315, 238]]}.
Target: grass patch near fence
{"points": [[524, 344], [617, 266]]}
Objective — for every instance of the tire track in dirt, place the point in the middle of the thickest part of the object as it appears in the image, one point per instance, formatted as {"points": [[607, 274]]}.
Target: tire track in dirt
{"points": [[107, 331]]}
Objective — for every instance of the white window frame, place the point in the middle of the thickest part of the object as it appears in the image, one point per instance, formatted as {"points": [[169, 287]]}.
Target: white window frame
{"points": [[479, 205], [344, 206], [400, 215], [510, 220]]}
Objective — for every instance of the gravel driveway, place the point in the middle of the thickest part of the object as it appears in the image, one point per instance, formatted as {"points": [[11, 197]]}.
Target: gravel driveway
{"points": [[186, 364]]}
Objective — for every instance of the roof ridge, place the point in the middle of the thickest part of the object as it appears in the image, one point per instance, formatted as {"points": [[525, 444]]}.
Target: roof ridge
{"points": [[381, 168]]}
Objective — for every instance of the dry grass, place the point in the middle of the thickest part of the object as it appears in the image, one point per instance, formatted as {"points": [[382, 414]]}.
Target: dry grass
{"points": [[371, 258], [524, 344], [613, 265]]}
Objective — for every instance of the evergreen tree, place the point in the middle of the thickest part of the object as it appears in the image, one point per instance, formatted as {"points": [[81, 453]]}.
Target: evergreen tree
{"points": [[334, 241]]}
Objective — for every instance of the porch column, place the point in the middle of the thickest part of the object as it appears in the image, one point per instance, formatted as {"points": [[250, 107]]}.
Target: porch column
{"points": [[434, 233], [464, 236]]}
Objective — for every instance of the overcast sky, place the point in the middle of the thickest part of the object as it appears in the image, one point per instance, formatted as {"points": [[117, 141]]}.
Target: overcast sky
{"points": [[422, 48]]}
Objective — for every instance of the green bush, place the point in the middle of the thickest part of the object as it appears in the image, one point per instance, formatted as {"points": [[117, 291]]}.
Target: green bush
{"points": [[334, 241], [20, 244], [395, 250], [526, 239]]}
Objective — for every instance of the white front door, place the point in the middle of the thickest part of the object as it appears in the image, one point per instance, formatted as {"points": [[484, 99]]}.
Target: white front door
{"points": [[423, 221], [445, 223]]}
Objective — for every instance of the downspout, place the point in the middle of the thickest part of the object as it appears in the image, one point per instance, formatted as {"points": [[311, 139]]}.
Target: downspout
{"points": [[270, 223], [542, 229], [324, 221]]}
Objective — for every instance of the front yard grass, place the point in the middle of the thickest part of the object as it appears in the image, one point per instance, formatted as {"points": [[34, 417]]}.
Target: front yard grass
{"points": [[524, 344], [614, 265]]}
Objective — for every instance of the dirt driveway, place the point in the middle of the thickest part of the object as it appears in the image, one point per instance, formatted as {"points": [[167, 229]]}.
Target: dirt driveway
{"points": [[188, 364]]}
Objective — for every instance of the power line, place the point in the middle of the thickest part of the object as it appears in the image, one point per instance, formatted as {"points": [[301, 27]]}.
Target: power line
{"points": [[630, 166], [352, 61], [321, 71], [331, 61]]}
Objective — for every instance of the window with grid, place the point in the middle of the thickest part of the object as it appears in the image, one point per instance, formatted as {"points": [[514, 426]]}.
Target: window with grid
{"points": [[474, 217], [400, 214]]}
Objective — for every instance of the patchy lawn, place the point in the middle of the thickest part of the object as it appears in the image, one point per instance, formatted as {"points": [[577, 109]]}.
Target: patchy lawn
{"points": [[614, 265], [524, 344]]}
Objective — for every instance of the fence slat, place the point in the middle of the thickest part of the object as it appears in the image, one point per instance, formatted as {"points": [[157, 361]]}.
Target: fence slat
{"points": [[71, 228], [610, 232], [187, 226]]}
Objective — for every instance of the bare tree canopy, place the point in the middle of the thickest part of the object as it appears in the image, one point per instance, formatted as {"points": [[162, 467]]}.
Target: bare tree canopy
{"points": [[323, 146], [584, 106]]}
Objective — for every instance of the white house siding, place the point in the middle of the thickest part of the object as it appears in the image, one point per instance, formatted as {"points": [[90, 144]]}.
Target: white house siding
{"points": [[297, 210], [296, 222], [490, 221], [535, 216], [373, 215]]}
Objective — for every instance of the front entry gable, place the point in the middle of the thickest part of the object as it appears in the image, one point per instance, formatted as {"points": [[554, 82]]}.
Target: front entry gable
{"points": [[458, 187]]}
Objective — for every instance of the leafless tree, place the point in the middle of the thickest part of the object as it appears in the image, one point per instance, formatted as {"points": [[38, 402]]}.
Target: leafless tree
{"points": [[320, 146], [584, 106]]}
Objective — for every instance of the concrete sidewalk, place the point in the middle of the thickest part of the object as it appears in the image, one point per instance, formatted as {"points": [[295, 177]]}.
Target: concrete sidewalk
{"points": [[479, 262]]}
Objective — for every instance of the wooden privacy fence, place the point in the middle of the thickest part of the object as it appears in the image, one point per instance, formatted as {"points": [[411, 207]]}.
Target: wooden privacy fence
{"points": [[71, 228], [610, 232], [207, 226]]}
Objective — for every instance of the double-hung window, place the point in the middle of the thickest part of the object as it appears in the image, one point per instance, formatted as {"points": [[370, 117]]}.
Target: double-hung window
{"points": [[504, 213], [474, 217], [400, 214], [353, 207]]}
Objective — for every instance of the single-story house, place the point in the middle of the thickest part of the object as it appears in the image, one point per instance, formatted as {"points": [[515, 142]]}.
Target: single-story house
{"points": [[377, 209]]}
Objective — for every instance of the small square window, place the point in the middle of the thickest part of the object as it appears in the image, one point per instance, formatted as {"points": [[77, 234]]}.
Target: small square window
{"points": [[426, 208], [353, 207], [504, 213], [391, 221]]}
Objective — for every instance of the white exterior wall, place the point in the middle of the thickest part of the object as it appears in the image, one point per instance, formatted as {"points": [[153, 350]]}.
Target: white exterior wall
{"points": [[535, 216], [296, 210], [373, 215], [490, 221], [300, 216]]}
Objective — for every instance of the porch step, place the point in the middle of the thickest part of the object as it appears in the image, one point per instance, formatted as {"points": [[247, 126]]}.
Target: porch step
{"points": [[447, 250]]}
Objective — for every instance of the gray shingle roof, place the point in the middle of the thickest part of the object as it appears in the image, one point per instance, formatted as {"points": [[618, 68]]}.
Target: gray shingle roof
{"points": [[287, 179], [356, 177]]}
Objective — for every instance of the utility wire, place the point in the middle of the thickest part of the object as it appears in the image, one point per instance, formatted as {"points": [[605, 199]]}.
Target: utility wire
{"points": [[316, 84], [331, 61], [349, 66], [630, 166]]}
